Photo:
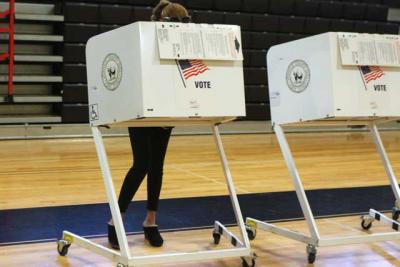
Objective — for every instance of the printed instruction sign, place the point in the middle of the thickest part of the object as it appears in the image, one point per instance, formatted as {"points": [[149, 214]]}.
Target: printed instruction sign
{"points": [[369, 49], [199, 41]]}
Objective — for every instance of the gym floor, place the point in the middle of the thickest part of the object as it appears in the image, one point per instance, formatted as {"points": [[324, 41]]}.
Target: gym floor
{"points": [[60, 172]]}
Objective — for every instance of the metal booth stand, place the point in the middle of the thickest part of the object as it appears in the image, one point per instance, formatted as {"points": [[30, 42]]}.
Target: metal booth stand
{"points": [[312, 87], [124, 92]]}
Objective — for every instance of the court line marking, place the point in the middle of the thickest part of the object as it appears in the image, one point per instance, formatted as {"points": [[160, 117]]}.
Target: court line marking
{"points": [[209, 179], [344, 226]]}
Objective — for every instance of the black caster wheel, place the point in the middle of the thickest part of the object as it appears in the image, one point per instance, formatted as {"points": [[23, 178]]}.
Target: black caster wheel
{"points": [[245, 263], [395, 214], [121, 265], [311, 254], [62, 247], [251, 233], [217, 238], [311, 257], [366, 225]]}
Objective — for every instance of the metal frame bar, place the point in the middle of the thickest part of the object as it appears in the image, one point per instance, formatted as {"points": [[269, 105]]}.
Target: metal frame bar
{"points": [[4, 14], [11, 50], [315, 239], [242, 248], [376, 215], [301, 195], [386, 163], [112, 198], [153, 259], [231, 187], [223, 231], [92, 246], [257, 224], [188, 256], [10, 55]]}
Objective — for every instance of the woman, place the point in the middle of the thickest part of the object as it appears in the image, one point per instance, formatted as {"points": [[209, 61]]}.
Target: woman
{"points": [[149, 145]]}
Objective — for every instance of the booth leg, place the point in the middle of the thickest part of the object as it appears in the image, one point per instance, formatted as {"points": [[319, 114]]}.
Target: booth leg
{"points": [[242, 249], [315, 240], [388, 168], [311, 241], [301, 195], [112, 198], [231, 187]]}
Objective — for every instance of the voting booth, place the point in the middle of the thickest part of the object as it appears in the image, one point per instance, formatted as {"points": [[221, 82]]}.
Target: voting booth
{"points": [[335, 77], [327, 80], [165, 74], [133, 75]]}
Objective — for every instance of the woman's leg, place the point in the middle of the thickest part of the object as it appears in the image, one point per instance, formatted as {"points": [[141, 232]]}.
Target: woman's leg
{"points": [[159, 139], [159, 142], [140, 142], [140, 150]]}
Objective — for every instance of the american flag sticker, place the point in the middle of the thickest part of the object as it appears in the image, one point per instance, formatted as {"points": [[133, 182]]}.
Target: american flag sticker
{"points": [[370, 73], [190, 68]]}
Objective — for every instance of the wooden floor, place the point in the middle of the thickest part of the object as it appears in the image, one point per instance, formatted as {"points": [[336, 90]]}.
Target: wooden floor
{"points": [[38, 173], [272, 251]]}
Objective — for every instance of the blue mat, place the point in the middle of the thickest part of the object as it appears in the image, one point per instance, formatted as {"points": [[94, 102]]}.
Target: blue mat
{"points": [[43, 224]]}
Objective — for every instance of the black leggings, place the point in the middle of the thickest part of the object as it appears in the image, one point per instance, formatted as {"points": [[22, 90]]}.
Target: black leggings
{"points": [[149, 145]]}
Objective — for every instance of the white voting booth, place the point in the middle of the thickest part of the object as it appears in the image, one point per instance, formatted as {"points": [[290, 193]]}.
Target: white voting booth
{"points": [[327, 80], [165, 74]]}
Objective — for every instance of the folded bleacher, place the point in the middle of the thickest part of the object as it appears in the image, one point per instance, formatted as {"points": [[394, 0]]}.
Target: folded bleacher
{"points": [[264, 23]]}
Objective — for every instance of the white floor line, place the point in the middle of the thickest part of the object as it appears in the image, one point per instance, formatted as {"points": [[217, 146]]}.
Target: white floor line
{"points": [[28, 242], [345, 226], [252, 162], [208, 179]]}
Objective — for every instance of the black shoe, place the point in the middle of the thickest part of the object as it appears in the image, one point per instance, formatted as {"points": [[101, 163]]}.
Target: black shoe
{"points": [[112, 237], [152, 234]]}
